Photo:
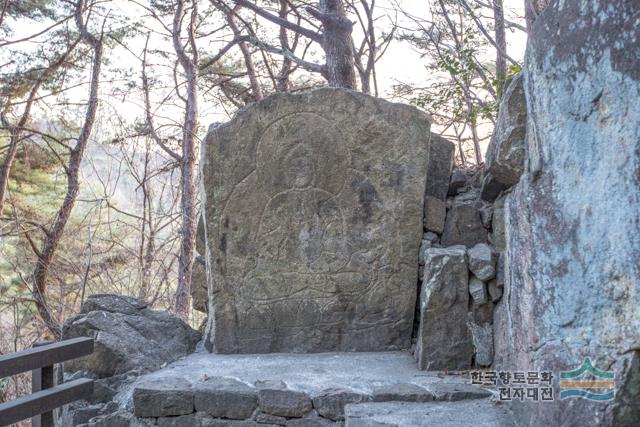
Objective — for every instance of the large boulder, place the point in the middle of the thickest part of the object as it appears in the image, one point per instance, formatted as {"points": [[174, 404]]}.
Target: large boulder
{"points": [[444, 341], [313, 205], [572, 289], [128, 336], [504, 160]]}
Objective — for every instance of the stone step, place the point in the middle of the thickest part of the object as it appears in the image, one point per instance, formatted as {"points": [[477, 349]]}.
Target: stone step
{"points": [[289, 389], [476, 413]]}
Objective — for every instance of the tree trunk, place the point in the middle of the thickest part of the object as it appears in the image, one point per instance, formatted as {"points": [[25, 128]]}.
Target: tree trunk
{"points": [[188, 162], [53, 236], [501, 42], [256, 89], [337, 44], [282, 79]]}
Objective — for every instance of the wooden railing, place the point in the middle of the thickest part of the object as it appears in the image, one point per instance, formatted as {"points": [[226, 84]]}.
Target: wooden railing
{"points": [[45, 396]]}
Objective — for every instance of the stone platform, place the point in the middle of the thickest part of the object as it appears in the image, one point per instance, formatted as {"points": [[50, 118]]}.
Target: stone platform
{"points": [[206, 389]]}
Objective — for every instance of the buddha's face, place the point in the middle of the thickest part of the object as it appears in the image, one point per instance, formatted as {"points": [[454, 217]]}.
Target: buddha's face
{"points": [[299, 170]]}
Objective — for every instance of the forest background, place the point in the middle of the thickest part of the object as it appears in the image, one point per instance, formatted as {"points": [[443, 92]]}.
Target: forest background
{"points": [[104, 103]]}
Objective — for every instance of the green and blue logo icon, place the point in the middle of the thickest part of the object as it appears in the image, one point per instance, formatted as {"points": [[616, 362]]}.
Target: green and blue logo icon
{"points": [[587, 382]]}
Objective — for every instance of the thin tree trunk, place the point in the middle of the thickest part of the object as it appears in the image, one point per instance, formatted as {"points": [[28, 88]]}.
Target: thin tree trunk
{"points": [[282, 79], [188, 163], [501, 41], [474, 134], [145, 252], [248, 60], [53, 236]]}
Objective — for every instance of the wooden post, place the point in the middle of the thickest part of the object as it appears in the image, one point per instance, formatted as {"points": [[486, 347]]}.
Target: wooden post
{"points": [[42, 379]]}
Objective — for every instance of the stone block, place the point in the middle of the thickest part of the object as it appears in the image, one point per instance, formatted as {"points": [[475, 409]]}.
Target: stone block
{"points": [[160, 397], [478, 291], [482, 262], [313, 204], [444, 340], [482, 343], [330, 403], [441, 159], [284, 403], [311, 422], [212, 422], [463, 225], [435, 211], [225, 398], [190, 420], [458, 180]]}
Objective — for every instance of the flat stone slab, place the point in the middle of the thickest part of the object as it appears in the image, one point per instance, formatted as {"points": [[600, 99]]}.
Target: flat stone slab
{"points": [[313, 206], [310, 373], [476, 413]]}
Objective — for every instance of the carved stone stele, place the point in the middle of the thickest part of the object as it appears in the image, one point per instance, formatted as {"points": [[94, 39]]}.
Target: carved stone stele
{"points": [[313, 212]]}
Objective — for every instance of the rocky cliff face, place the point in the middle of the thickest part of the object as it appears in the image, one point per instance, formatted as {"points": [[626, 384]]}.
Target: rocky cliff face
{"points": [[572, 225]]}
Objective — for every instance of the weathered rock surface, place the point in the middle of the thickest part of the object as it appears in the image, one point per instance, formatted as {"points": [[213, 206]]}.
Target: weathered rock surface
{"points": [[495, 291], [572, 274], [482, 343], [199, 292], [311, 422], [456, 392], [444, 341], [284, 403], [160, 398], [119, 418], [225, 398], [330, 403], [128, 336], [459, 178], [463, 225], [404, 392], [441, 159], [435, 211], [481, 413], [313, 208], [211, 422], [482, 262], [478, 291], [271, 419], [504, 160], [498, 238]]}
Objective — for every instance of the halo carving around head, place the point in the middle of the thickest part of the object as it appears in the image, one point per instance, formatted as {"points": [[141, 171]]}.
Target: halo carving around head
{"points": [[305, 135]]}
